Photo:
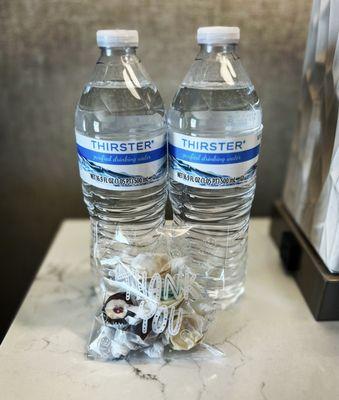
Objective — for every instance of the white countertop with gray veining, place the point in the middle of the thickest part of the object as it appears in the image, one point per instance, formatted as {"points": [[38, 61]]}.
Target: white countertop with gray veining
{"points": [[273, 347]]}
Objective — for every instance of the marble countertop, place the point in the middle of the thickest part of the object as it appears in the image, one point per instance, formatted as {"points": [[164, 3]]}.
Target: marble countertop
{"points": [[273, 347]]}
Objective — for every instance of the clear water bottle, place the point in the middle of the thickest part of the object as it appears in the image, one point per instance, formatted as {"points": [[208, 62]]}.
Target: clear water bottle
{"points": [[122, 151], [214, 126]]}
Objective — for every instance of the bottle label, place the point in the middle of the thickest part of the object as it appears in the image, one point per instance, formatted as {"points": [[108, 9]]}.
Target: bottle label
{"points": [[213, 163], [122, 165]]}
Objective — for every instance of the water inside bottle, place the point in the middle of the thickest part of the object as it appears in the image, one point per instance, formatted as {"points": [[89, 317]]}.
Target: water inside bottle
{"points": [[219, 217], [122, 219]]}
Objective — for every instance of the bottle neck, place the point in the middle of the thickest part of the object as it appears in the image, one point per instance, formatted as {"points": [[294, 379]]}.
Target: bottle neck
{"points": [[116, 52], [208, 50], [120, 64]]}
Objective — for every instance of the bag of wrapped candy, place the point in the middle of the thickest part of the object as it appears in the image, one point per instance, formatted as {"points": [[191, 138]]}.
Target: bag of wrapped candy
{"points": [[151, 302]]}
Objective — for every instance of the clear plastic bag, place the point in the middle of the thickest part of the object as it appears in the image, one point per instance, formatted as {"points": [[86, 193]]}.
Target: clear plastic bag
{"points": [[152, 304]]}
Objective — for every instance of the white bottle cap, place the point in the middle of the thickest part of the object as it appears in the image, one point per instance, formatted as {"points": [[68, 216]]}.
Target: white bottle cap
{"points": [[218, 35], [117, 38]]}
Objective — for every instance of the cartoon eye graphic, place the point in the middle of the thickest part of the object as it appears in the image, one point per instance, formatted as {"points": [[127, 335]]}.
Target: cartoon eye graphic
{"points": [[116, 309]]}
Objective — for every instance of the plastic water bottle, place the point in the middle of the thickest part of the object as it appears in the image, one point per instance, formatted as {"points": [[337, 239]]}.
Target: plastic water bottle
{"points": [[215, 125], [122, 151]]}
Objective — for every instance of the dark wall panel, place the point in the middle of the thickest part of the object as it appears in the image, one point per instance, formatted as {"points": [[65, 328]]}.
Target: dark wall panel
{"points": [[47, 52]]}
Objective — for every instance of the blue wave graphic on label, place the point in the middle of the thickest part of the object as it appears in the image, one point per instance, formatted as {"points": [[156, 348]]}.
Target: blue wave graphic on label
{"points": [[122, 159], [205, 158], [122, 165], [223, 163]]}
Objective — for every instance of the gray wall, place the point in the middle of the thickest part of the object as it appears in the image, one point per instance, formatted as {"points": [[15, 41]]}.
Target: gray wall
{"points": [[48, 50]]}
